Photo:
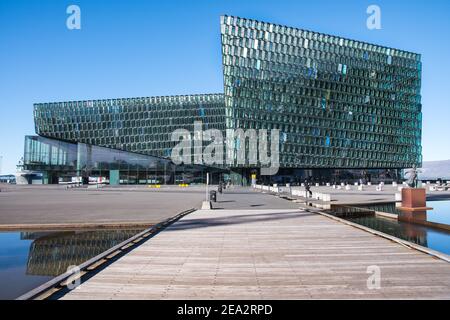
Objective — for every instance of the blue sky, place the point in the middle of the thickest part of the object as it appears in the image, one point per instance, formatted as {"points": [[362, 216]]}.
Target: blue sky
{"points": [[145, 48]]}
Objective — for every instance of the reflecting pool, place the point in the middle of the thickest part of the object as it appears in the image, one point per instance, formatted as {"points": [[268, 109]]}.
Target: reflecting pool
{"points": [[439, 214], [425, 235], [29, 259]]}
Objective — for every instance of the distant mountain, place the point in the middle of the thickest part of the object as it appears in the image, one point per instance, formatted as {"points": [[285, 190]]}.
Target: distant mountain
{"points": [[435, 169]]}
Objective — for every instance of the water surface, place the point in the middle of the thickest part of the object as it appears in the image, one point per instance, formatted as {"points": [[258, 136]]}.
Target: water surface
{"points": [[439, 214], [426, 236], [29, 259]]}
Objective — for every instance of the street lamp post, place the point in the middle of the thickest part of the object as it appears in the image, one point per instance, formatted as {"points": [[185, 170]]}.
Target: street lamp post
{"points": [[207, 183]]}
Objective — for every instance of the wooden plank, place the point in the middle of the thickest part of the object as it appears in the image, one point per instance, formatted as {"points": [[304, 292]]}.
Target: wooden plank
{"points": [[267, 254]]}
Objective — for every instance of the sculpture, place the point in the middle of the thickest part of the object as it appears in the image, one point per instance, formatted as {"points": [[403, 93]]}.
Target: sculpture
{"points": [[413, 177]]}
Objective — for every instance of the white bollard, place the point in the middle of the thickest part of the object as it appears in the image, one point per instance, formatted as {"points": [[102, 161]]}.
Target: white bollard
{"points": [[342, 184], [347, 187], [394, 184], [360, 188], [356, 183], [328, 184], [398, 197], [369, 183], [317, 185]]}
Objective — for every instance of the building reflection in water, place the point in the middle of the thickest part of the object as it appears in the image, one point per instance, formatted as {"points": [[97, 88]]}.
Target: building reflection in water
{"points": [[52, 252], [413, 216], [403, 230]]}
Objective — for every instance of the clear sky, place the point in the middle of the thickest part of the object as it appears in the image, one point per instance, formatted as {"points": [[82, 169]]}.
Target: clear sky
{"points": [[134, 48]]}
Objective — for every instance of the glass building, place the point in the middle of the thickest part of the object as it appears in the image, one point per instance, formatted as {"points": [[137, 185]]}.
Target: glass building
{"points": [[126, 141], [345, 110], [141, 125], [338, 103]]}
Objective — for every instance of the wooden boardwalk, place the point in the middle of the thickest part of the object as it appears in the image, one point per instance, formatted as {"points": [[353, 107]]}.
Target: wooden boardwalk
{"points": [[267, 254]]}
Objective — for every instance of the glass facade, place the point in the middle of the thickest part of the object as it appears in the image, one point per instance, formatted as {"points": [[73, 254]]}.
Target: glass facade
{"points": [[338, 103], [341, 105], [141, 125], [63, 160], [41, 153]]}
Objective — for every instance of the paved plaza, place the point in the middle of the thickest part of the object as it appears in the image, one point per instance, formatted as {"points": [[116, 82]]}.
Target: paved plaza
{"points": [[55, 206], [23, 207]]}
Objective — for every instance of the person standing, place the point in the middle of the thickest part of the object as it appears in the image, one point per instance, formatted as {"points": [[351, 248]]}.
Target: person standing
{"points": [[308, 188]]}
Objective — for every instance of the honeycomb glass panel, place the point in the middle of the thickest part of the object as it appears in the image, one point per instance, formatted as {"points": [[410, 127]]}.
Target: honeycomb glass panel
{"points": [[345, 104]]}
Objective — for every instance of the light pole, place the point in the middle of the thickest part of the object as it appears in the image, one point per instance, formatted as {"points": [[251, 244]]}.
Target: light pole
{"points": [[206, 205], [207, 183]]}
